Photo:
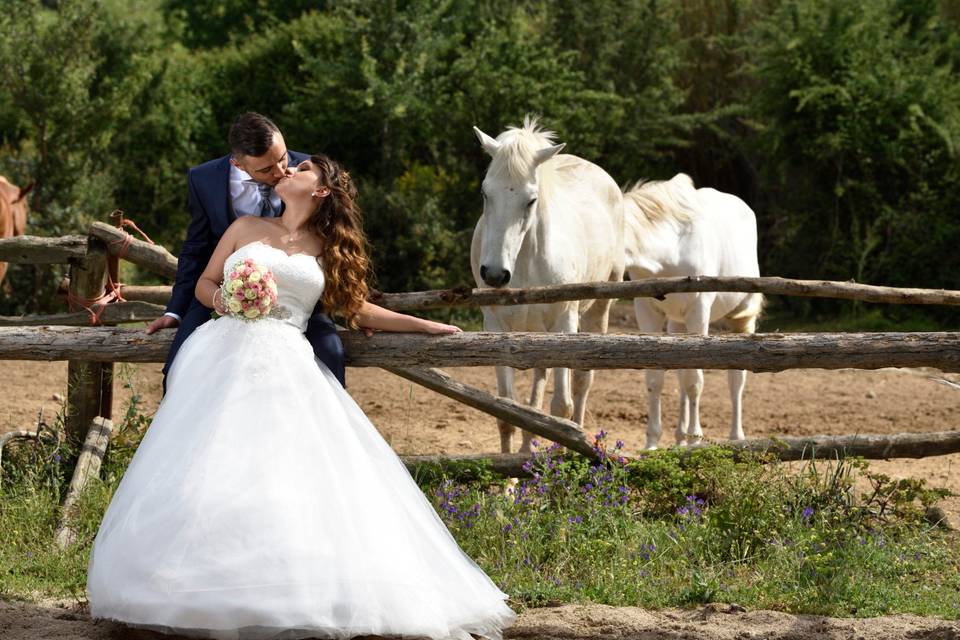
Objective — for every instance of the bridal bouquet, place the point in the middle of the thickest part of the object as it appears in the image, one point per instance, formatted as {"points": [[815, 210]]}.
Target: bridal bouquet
{"points": [[249, 291]]}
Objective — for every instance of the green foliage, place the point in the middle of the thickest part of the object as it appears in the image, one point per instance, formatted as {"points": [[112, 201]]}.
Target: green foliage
{"points": [[751, 532], [838, 122], [858, 109]]}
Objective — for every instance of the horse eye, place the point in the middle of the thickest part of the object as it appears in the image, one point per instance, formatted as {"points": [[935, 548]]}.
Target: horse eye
{"points": [[532, 202]]}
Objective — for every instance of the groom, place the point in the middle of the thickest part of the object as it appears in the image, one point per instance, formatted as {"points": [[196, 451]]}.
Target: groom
{"points": [[221, 190]]}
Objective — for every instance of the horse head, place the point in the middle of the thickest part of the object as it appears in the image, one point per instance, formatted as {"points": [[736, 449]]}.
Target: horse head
{"points": [[511, 190]]}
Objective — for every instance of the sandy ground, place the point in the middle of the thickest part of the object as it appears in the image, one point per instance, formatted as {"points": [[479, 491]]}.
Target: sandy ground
{"points": [[21, 621], [417, 421]]}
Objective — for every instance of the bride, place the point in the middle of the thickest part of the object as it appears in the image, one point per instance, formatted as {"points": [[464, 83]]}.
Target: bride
{"points": [[261, 502]]}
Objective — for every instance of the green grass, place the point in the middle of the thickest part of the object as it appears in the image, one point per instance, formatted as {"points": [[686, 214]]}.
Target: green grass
{"points": [[856, 318], [675, 529], [683, 529]]}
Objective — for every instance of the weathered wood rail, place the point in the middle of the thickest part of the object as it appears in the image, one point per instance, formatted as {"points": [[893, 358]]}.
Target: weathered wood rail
{"points": [[869, 447], [651, 287], [760, 352], [660, 287]]}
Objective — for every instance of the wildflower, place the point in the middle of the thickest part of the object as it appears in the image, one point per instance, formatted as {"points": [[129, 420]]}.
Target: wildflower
{"points": [[807, 513]]}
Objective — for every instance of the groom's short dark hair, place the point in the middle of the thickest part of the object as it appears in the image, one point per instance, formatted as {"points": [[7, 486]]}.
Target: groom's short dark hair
{"points": [[251, 134]]}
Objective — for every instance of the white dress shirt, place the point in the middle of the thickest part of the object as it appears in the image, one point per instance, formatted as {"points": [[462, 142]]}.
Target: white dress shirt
{"points": [[245, 194], [245, 200]]}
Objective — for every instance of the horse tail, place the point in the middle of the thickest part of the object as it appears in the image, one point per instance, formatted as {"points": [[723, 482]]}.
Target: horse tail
{"points": [[743, 319]]}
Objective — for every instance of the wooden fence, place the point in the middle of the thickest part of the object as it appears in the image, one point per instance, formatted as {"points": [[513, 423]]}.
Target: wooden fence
{"points": [[92, 350]]}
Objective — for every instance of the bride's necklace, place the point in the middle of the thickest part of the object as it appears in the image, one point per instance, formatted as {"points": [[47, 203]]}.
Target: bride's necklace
{"points": [[292, 237]]}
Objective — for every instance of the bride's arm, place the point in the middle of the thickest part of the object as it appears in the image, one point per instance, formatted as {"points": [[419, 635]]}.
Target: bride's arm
{"points": [[373, 317], [212, 276]]}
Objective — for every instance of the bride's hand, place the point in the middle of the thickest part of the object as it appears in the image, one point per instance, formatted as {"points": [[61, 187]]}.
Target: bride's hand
{"points": [[438, 328]]}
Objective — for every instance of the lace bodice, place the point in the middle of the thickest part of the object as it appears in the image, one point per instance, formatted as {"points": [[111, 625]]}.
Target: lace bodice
{"points": [[299, 280]]}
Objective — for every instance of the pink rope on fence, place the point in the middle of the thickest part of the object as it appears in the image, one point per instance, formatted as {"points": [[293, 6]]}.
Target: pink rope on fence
{"points": [[95, 306]]}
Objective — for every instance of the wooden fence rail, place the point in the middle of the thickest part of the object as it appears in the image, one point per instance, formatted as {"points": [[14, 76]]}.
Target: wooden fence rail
{"points": [[38, 250], [869, 447], [760, 352], [152, 257], [659, 287], [652, 288]]}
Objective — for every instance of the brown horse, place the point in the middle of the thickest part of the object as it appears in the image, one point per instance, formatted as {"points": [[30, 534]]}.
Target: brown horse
{"points": [[13, 213]]}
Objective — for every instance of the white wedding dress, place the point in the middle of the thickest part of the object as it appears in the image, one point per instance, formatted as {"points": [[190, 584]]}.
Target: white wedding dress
{"points": [[262, 503]]}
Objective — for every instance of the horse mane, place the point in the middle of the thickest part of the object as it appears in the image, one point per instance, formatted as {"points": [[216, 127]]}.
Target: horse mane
{"points": [[518, 146], [660, 201]]}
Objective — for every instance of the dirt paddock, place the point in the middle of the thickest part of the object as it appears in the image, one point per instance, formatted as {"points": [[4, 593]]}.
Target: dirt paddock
{"points": [[23, 621], [415, 420]]}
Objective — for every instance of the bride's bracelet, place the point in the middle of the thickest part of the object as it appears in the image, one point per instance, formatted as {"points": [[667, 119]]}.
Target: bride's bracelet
{"points": [[215, 292]]}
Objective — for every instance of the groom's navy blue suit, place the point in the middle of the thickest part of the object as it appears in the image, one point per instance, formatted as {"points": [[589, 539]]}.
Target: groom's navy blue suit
{"points": [[211, 211]]}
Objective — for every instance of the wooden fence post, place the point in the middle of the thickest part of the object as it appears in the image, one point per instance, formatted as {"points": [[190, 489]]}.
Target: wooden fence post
{"points": [[87, 380], [88, 466]]}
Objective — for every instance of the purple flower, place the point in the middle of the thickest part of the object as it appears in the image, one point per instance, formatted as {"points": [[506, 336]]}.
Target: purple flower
{"points": [[807, 513]]}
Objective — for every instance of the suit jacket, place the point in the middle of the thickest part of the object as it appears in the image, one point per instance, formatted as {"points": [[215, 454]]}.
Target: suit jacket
{"points": [[208, 200]]}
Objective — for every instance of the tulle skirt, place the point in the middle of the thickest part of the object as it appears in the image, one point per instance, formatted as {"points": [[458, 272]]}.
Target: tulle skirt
{"points": [[262, 503]]}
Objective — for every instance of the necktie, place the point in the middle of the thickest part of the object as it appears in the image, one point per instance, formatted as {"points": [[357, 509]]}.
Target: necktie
{"points": [[267, 210]]}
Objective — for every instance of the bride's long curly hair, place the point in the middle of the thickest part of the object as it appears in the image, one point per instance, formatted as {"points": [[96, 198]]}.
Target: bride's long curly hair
{"points": [[344, 256]]}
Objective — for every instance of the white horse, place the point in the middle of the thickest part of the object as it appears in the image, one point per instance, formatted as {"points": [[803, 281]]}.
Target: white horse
{"points": [[675, 229], [548, 218]]}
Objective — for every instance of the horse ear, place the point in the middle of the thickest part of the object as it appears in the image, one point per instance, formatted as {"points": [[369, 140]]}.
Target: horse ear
{"points": [[489, 145], [545, 154]]}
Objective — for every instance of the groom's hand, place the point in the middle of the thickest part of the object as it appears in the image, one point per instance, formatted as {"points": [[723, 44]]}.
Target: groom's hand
{"points": [[163, 322]]}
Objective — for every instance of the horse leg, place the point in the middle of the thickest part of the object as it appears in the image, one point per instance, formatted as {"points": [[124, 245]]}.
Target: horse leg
{"points": [[537, 392], [683, 408], [698, 323], [594, 320], [650, 320], [654, 393], [505, 390], [561, 405], [737, 380]]}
